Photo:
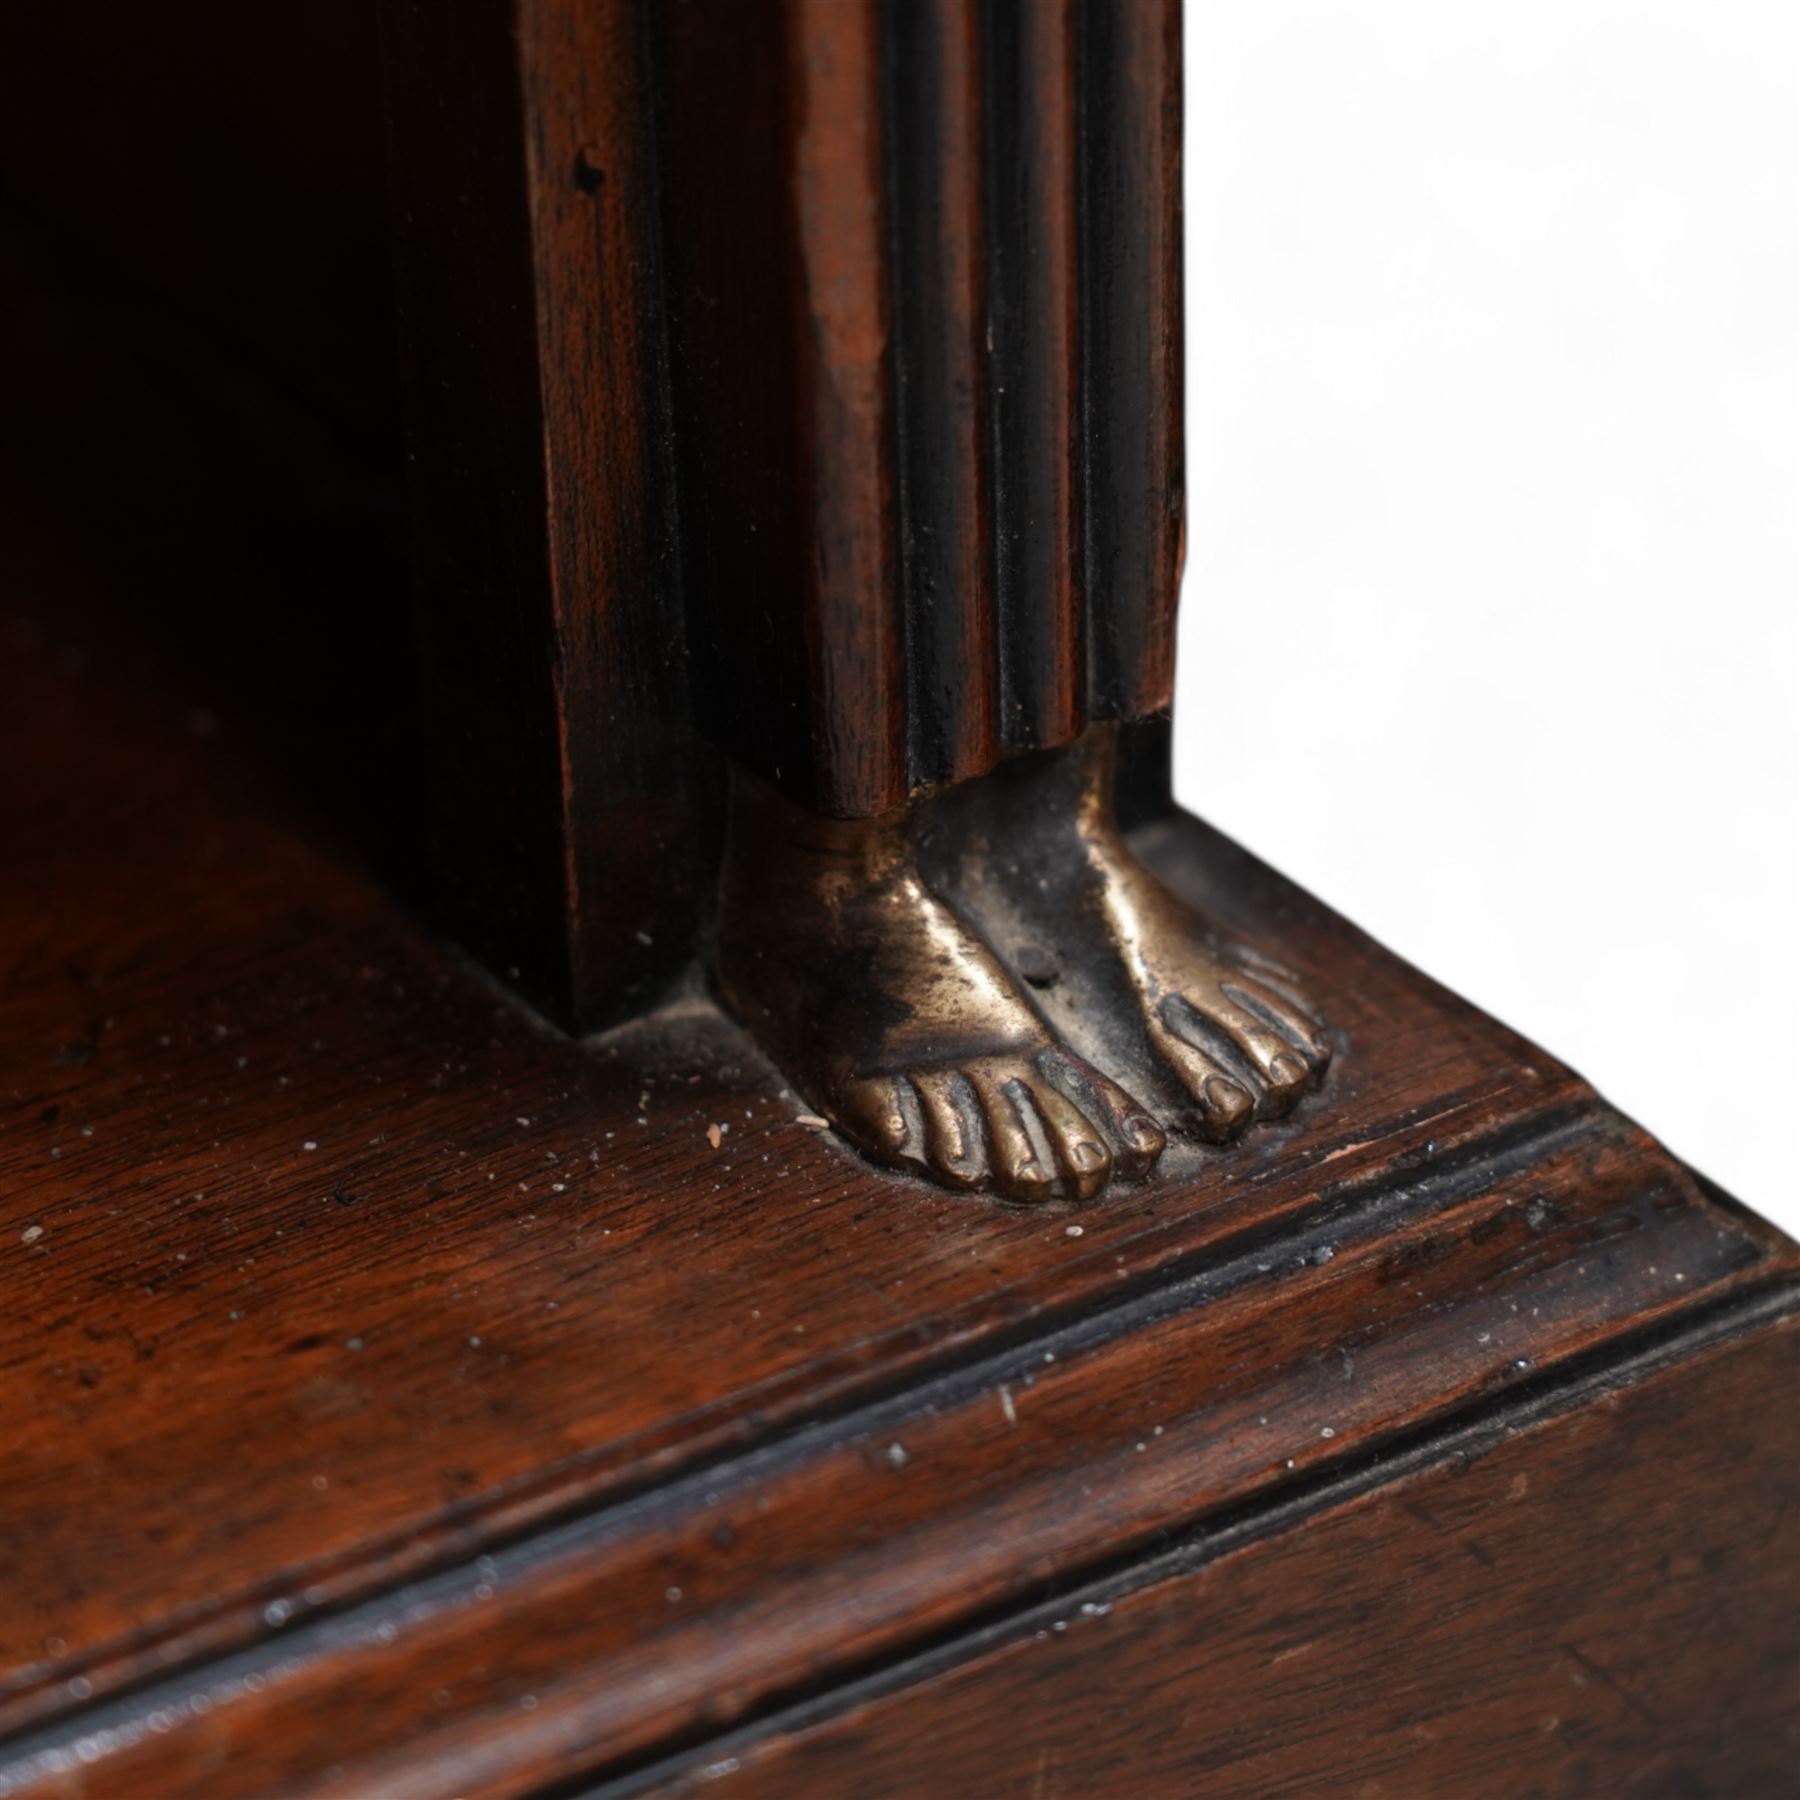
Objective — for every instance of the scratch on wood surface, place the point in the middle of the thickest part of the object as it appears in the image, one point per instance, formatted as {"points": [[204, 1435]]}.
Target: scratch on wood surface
{"points": [[1602, 1675]]}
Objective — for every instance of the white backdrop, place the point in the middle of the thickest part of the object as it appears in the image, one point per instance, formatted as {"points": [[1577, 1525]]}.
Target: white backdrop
{"points": [[1491, 630]]}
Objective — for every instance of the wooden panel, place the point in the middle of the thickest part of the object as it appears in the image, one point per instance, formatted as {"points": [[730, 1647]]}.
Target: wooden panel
{"points": [[1604, 1600], [572, 825], [347, 1274]]}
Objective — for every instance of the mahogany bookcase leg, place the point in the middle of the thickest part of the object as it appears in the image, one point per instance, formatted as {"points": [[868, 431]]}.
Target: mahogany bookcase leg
{"points": [[876, 320]]}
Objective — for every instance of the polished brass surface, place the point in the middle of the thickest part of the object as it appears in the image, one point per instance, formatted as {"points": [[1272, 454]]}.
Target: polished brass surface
{"points": [[988, 989]]}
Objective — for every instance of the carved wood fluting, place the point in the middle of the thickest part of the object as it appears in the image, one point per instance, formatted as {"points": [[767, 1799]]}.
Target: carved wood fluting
{"points": [[924, 283]]}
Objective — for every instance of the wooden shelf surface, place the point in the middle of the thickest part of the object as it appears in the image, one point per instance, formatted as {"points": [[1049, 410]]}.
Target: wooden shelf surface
{"points": [[403, 1397]]}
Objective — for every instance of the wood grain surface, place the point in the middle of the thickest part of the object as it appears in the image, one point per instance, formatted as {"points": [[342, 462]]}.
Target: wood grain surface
{"points": [[403, 1397], [1593, 1599]]}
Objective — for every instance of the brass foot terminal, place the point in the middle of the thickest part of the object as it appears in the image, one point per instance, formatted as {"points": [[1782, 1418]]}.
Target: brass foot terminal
{"points": [[968, 986]]}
